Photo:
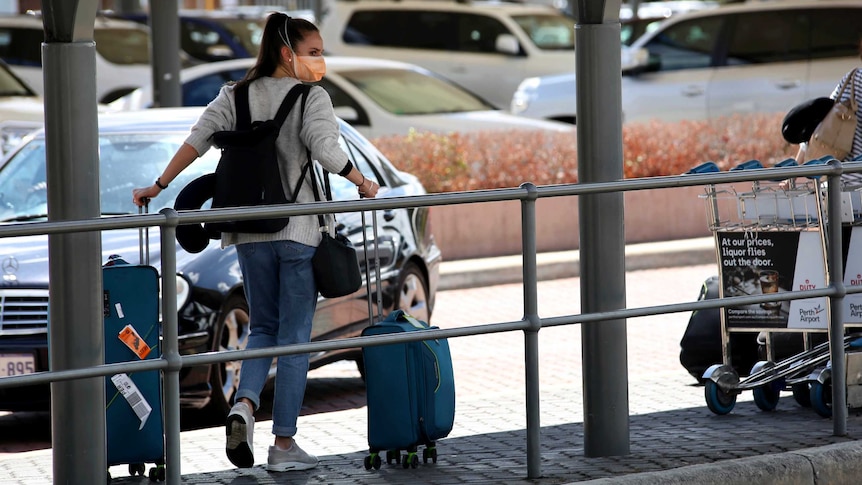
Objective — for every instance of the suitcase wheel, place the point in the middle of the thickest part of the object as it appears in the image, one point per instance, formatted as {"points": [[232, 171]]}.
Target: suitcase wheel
{"points": [[157, 473], [372, 461], [137, 469], [393, 456], [411, 460], [429, 453]]}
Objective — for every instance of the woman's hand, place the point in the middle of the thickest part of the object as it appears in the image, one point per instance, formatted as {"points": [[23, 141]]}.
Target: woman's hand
{"points": [[367, 189], [142, 196]]}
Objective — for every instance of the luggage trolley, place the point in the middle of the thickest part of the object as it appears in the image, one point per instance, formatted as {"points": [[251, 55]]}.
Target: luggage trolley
{"points": [[769, 240]]}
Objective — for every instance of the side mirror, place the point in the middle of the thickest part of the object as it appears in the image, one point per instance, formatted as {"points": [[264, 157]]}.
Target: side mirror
{"points": [[635, 61], [347, 113], [507, 44]]}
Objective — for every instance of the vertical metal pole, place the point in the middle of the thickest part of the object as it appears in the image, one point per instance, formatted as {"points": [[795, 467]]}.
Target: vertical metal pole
{"points": [[531, 334], [602, 238], [165, 49], [75, 330], [170, 348], [835, 275]]}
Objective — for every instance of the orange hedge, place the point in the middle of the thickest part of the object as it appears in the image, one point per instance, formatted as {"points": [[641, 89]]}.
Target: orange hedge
{"points": [[488, 160]]}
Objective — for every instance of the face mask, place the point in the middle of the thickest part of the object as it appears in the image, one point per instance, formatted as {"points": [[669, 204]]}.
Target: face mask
{"points": [[309, 69]]}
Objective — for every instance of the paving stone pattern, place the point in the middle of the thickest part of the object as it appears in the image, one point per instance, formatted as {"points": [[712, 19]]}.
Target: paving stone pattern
{"points": [[670, 425]]}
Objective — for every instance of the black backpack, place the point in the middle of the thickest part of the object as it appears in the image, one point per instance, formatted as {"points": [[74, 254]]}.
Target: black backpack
{"points": [[248, 173]]}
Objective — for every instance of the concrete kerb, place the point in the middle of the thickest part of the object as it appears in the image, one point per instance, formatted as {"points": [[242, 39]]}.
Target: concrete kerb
{"points": [[564, 264], [837, 463]]}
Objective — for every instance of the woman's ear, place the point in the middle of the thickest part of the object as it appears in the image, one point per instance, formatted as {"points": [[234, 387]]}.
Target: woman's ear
{"points": [[286, 53]]}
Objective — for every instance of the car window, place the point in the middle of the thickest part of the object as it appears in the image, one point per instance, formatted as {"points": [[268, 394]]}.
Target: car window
{"points": [[412, 29], [123, 46], [408, 92], [343, 189], [341, 99], [200, 91], [548, 32], [826, 40], [10, 85], [21, 46], [203, 42], [685, 45], [477, 33], [246, 32], [761, 37]]}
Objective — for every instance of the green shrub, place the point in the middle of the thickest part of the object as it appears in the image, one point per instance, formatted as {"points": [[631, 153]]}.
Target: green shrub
{"points": [[488, 160]]}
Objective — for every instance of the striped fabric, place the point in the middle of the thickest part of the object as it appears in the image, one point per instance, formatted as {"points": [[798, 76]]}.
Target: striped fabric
{"points": [[856, 151]]}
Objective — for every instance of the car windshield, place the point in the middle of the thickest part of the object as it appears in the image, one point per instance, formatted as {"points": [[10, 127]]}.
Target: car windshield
{"points": [[408, 92], [127, 161], [123, 46], [548, 31]]}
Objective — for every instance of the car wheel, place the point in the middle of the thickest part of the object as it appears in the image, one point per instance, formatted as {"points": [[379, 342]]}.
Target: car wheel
{"points": [[412, 294], [232, 334]]}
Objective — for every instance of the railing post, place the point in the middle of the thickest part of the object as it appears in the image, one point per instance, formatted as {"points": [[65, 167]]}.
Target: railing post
{"points": [[170, 347], [835, 275], [531, 334]]}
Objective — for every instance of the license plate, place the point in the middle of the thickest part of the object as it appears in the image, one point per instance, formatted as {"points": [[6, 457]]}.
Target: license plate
{"points": [[17, 364]]}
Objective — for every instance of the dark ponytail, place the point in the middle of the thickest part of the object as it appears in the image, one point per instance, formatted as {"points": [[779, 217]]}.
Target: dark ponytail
{"points": [[270, 44]]}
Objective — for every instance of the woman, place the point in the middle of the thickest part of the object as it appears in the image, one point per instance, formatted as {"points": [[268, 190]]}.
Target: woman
{"points": [[276, 268]]}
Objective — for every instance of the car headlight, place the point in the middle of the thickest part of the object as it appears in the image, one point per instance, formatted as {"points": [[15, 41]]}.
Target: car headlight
{"points": [[184, 291], [524, 95]]}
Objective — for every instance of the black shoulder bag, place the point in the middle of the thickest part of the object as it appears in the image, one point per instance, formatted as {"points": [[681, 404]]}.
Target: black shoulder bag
{"points": [[248, 173]]}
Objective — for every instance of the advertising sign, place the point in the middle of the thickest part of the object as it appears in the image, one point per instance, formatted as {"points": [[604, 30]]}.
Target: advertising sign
{"points": [[755, 263]]}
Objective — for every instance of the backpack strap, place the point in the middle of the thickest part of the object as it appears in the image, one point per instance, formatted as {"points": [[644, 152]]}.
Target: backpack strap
{"points": [[289, 100], [243, 112]]}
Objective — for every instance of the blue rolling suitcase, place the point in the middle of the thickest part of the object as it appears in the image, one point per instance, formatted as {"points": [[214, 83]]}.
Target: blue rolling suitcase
{"points": [[410, 394], [134, 419]]}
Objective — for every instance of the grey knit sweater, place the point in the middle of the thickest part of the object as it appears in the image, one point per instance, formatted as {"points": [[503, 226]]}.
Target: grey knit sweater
{"points": [[319, 132]]}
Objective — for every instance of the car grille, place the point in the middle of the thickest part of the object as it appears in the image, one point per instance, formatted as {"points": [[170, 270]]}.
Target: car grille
{"points": [[23, 312]]}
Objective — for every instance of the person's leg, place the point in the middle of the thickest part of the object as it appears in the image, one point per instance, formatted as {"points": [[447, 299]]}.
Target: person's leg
{"points": [[260, 277], [298, 302]]}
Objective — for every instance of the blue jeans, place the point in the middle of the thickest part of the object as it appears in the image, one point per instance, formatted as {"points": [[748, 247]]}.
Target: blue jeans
{"points": [[282, 297]]}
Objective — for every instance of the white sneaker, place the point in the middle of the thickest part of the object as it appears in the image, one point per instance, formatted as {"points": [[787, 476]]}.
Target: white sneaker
{"points": [[292, 459], [239, 429]]}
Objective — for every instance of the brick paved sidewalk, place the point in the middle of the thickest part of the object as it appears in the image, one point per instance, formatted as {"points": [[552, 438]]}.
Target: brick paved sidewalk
{"points": [[670, 425]]}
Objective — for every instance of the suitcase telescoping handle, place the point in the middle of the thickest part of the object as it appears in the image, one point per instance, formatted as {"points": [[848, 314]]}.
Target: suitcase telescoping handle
{"points": [[144, 236], [372, 319]]}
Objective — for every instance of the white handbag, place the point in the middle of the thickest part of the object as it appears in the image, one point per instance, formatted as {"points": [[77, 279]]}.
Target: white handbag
{"points": [[834, 135]]}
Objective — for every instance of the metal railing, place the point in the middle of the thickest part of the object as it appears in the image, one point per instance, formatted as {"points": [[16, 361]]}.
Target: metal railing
{"points": [[171, 361]]}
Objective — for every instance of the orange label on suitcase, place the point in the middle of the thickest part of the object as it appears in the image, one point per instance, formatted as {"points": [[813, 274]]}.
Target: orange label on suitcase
{"points": [[134, 342]]}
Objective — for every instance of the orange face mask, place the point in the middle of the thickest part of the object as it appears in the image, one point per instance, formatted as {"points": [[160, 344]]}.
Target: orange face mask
{"points": [[309, 68]]}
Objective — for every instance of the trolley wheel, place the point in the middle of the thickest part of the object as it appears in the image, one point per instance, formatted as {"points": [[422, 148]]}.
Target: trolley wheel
{"points": [[429, 453], [766, 396], [802, 394], [367, 462], [719, 401], [393, 456], [157, 473], [410, 460], [821, 397], [137, 469]]}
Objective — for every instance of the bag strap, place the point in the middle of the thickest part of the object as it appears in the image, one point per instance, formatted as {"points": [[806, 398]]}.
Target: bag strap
{"points": [[243, 112], [851, 78]]}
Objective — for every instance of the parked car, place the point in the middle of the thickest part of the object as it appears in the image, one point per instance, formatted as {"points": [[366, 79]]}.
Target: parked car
{"points": [[486, 47], [122, 54], [214, 35], [21, 109], [757, 57], [377, 97], [213, 314]]}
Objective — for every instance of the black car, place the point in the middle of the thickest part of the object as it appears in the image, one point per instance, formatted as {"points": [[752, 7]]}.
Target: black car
{"points": [[213, 315]]}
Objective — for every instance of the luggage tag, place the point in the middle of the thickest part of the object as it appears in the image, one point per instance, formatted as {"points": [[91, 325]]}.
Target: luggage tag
{"points": [[129, 336], [133, 396]]}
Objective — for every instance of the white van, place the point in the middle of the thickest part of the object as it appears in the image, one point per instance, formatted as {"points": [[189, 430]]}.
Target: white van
{"points": [[486, 47], [122, 54], [758, 57]]}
